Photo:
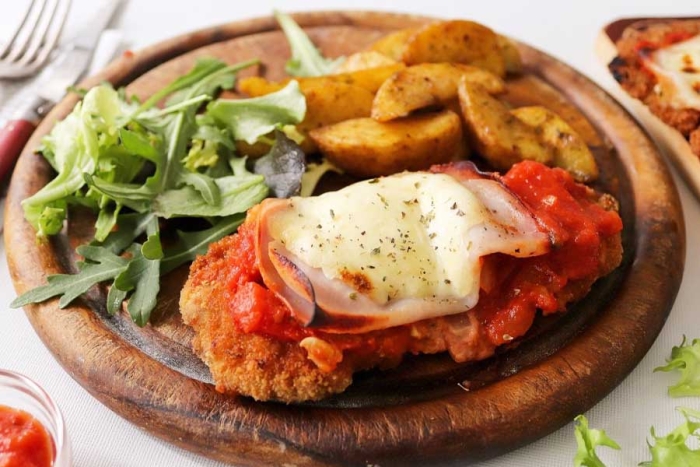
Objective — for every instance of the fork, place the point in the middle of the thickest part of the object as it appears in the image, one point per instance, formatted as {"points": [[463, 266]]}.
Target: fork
{"points": [[34, 39]]}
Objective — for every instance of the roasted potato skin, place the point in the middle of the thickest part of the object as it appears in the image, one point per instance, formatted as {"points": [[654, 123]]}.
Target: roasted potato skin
{"points": [[331, 102], [570, 150], [457, 41], [256, 86], [496, 134], [365, 60], [393, 45], [511, 55], [367, 148], [425, 85], [370, 79]]}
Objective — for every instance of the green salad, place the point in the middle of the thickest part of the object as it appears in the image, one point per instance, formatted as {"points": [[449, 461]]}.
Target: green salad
{"points": [[137, 165]]}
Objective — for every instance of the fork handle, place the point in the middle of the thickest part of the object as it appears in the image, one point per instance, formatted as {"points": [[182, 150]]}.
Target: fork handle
{"points": [[16, 131], [13, 136]]}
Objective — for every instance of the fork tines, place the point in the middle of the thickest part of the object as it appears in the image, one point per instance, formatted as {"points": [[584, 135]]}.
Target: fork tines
{"points": [[31, 43]]}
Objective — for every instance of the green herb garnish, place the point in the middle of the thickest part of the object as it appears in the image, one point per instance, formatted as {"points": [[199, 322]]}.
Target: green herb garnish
{"points": [[306, 59], [587, 439], [686, 359], [672, 450]]}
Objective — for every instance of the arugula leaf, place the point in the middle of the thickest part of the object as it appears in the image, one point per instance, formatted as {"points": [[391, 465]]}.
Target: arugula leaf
{"points": [[132, 195], [104, 265], [587, 439], [129, 227], [249, 119], [205, 185], [223, 78], [672, 450], [138, 197], [139, 144], [175, 126], [686, 359], [306, 59], [203, 68], [152, 248], [207, 130], [238, 193], [282, 167], [106, 220], [142, 276], [115, 298], [192, 244]]}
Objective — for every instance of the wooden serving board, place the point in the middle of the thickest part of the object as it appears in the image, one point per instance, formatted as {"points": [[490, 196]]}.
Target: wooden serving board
{"points": [[672, 143], [429, 410]]}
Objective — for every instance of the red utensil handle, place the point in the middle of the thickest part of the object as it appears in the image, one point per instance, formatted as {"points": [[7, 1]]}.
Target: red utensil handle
{"points": [[13, 136]]}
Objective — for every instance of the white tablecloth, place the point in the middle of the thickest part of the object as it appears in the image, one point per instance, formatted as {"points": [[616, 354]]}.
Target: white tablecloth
{"points": [[564, 29]]}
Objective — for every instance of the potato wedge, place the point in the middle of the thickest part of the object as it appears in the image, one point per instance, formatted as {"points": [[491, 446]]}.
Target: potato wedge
{"points": [[364, 60], [367, 148], [511, 55], [370, 79], [392, 45], [456, 41], [256, 86], [497, 134], [426, 85], [570, 151], [331, 102]]}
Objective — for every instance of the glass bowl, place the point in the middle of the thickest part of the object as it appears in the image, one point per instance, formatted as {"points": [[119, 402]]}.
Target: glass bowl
{"points": [[19, 392]]}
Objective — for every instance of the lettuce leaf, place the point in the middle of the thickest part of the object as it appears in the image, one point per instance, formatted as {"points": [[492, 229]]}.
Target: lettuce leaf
{"points": [[587, 439], [249, 119], [671, 450], [686, 359]]}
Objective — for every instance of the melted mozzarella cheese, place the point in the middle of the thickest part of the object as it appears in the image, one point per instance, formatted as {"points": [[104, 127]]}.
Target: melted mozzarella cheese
{"points": [[677, 68], [405, 236], [390, 251]]}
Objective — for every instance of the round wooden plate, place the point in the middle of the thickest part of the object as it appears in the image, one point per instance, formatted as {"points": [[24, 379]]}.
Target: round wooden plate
{"points": [[429, 410]]}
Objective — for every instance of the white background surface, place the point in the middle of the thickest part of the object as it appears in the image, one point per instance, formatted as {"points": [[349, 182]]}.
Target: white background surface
{"points": [[564, 29]]}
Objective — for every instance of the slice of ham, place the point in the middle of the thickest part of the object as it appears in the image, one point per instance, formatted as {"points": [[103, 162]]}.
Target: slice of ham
{"points": [[334, 306]]}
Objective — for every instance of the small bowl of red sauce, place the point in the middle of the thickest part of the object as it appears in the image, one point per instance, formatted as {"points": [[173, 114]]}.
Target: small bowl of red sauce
{"points": [[32, 431]]}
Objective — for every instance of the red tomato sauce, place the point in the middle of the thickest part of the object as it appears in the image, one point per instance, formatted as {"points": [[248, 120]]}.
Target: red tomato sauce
{"points": [[577, 226], [522, 286], [24, 442]]}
